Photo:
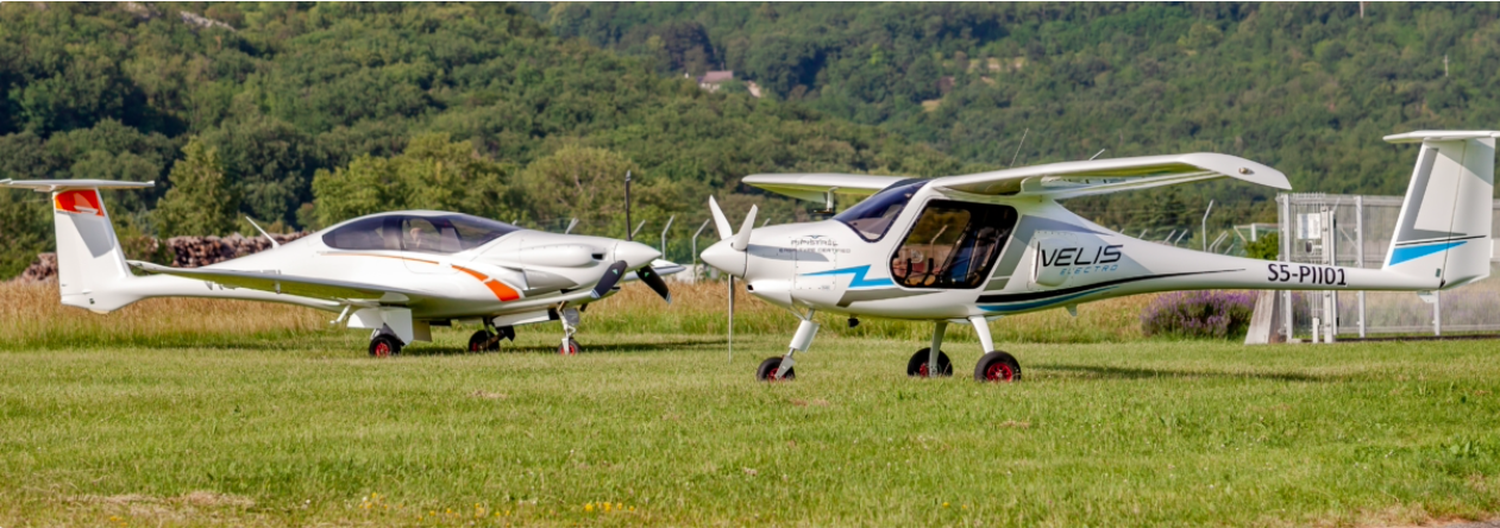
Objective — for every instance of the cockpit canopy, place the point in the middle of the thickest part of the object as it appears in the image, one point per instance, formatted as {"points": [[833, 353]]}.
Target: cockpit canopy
{"points": [[428, 233], [872, 217]]}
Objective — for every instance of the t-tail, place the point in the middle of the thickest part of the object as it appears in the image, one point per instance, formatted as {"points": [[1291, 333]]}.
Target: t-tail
{"points": [[91, 266], [1443, 231]]}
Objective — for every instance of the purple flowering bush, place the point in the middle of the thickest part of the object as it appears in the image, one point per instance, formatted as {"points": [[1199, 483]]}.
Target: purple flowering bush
{"points": [[1199, 314]]}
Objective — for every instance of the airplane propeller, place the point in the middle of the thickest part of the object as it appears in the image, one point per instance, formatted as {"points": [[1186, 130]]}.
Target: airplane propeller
{"points": [[654, 280], [738, 242], [612, 276]]}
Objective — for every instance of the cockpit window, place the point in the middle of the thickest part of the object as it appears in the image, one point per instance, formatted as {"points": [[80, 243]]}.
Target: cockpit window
{"points": [[448, 233], [872, 217]]}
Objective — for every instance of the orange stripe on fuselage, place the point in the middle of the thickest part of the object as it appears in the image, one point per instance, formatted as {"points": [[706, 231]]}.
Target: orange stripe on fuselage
{"points": [[501, 290]]}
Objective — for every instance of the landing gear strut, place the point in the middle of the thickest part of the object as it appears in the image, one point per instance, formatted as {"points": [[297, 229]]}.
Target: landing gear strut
{"points": [[780, 368], [569, 317], [931, 361], [995, 366]]}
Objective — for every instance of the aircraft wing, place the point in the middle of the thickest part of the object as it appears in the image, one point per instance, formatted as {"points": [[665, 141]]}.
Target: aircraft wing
{"points": [[813, 187], [1082, 178], [333, 290]]}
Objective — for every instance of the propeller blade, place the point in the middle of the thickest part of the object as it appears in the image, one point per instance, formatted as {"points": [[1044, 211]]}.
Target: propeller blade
{"points": [[720, 222], [742, 239], [611, 277], [654, 280]]}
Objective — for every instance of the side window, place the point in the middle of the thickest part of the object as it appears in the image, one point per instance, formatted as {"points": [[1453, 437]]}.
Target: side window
{"points": [[368, 233], [419, 234], [952, 245]]}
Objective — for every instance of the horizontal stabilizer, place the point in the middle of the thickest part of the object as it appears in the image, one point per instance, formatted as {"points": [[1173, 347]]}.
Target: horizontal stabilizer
{"points": [[58, 185]]}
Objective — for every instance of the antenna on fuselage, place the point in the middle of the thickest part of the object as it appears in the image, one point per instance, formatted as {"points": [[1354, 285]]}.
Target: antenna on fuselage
{"points": [[274, 243]]}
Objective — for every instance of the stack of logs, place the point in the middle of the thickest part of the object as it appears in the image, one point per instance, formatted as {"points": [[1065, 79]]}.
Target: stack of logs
{"points": [[187, 252]]}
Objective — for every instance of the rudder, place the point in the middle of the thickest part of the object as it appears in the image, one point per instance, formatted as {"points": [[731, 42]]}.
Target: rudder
{"points": [[1443, 231], [90, 263]]}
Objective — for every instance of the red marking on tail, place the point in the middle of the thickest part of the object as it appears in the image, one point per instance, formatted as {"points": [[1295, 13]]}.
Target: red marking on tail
{"points": [[79, 201]]}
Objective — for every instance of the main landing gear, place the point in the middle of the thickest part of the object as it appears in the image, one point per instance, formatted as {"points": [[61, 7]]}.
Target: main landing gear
{"points": [[995, 366], [487, 341], [384, 345]]}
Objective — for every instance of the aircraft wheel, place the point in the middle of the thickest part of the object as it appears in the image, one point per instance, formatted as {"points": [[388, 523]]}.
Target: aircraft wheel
{"points": [[998, 367], [918, 368], [480, 342], [768, 368], [385, 346], [570, 349]]}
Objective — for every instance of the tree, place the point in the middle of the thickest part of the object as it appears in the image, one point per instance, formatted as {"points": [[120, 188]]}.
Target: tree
{"points": [[433, 173], [200, 201], [579, 182]]}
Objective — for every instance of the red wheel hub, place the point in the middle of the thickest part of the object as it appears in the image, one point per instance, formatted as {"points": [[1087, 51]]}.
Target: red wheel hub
{"points": [[999, 372], [922, 371], [382, 349]]}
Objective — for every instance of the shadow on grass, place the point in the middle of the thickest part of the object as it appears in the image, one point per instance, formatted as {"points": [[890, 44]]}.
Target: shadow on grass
{"points": [[1101, 372], [618, 347]]}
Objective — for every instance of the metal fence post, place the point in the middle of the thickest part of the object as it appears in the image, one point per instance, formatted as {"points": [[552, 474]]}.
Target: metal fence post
{"points": [[695, 248], [1359, 242], [664, 236], [1283, 217]]}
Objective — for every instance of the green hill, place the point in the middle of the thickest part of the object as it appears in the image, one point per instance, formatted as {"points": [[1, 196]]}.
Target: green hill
{"points": [[1308, 88], [287, 95]]}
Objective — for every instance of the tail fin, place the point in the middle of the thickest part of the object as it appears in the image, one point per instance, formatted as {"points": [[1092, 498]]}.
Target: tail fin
{"points": [[1443, 231], [90, 264]]}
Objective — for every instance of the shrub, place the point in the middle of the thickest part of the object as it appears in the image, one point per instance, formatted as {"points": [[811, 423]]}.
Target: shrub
{"points": [[1199, 314]]}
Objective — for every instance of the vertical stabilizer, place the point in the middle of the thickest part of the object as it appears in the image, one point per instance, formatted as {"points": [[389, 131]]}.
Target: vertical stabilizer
{"points": [[1443, 231], [90, 264]]}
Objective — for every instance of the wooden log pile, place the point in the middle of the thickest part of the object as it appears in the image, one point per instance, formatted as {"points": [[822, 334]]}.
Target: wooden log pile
{"points": [[192, 252], [187, 252]]}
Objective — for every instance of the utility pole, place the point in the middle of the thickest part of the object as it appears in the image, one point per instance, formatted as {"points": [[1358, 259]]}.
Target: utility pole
{"points": [[628, 234], [1445, 65], [1205, 224], [1018, 147]]}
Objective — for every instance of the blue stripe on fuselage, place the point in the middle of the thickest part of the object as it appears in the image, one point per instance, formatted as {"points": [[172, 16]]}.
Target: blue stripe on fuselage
{"points": [[859, 280], [1403, 254]]}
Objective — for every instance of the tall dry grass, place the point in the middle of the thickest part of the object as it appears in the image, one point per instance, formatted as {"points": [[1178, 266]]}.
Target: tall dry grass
{"points": [[30, 316]]}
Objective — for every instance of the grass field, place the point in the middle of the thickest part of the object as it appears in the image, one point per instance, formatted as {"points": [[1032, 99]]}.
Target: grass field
{"points": [[240, 414]]}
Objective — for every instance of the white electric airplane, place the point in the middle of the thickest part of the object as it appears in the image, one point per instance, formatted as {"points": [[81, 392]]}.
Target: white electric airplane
{"points": [[970, 249], [396, 274]]}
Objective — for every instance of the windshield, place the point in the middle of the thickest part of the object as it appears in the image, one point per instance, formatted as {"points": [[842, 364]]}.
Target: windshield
{"points": [[872, 217], [448, 233]]}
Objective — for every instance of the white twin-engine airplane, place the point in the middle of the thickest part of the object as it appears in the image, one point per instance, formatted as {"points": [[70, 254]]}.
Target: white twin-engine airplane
{"points": [[970, 249], [397, 274]]}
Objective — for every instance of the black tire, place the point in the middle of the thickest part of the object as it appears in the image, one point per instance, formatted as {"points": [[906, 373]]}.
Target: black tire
{"points": [[569, 349], [480, 342], [385, 345], [768, 368], [998, 367], [917, 366]]}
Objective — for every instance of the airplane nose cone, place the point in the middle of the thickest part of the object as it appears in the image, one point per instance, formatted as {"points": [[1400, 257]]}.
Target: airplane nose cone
{"points": [[635, 254], [725, 258]]}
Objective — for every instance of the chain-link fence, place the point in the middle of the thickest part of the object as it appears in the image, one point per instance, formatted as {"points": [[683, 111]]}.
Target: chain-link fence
{"points": [[1355, 231]]}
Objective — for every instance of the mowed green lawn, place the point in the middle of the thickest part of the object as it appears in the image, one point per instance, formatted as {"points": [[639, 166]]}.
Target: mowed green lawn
{"points": [[303, 428]]}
